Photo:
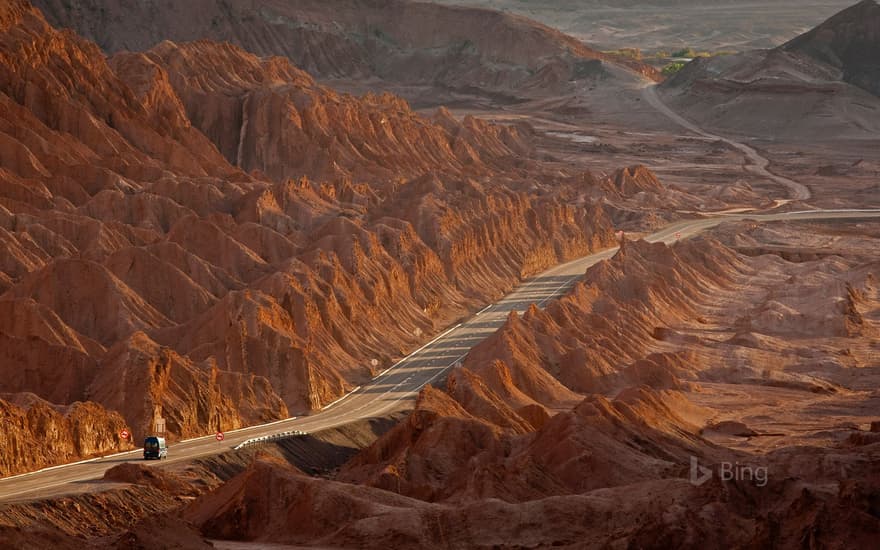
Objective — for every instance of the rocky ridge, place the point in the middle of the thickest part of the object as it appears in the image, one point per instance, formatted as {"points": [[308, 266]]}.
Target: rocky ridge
{"points": [[534, 391]]}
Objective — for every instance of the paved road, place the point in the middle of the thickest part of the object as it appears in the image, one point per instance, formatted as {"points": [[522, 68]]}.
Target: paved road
{"points": [[397, 387], [756, 164]]}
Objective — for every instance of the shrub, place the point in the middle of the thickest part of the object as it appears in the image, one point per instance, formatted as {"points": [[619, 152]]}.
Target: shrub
{"points": [[672, 68], [689, 53]]}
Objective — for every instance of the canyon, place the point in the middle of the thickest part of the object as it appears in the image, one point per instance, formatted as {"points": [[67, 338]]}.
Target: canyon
{"points": [[443, 276]]}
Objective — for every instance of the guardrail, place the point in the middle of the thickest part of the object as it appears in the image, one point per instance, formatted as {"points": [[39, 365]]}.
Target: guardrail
{"points": [[268, 438]]}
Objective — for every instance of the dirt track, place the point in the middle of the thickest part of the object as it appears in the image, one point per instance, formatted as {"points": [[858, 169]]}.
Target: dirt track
{"points": [[755, 162]]}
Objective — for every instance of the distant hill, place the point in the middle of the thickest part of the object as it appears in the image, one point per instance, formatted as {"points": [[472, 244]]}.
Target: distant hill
{"points": [[849, 41], [705, 25], [825, 82], [412, 43]]}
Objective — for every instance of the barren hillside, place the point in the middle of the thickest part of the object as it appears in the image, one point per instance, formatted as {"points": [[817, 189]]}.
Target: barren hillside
{"points": [[401, 41], [670, 25], [819, 84], [848, 42]]}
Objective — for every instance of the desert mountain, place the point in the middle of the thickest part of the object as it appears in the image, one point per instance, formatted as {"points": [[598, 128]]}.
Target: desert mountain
{"points": [[197, 232], [404, 42], [505, 427], [849, 42], [827, 80], [669, 25]]}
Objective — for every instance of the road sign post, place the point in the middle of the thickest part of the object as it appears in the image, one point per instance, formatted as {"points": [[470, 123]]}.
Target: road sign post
{"points": [[219, 436]]}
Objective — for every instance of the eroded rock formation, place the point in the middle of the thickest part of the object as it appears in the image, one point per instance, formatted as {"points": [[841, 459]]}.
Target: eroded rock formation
{"points": [[202, 234]]}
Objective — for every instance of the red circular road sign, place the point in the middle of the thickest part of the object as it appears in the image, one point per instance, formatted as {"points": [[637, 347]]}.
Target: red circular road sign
{"points": [[124, 434], [678, 235], [220, 436]]}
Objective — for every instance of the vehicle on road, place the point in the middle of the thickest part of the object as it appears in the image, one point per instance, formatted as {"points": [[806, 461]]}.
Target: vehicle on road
{"points": [[155, 447]]}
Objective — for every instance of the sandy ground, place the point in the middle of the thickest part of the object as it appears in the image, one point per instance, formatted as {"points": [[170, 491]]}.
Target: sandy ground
{"points": [[840, 173], [776, 354]]}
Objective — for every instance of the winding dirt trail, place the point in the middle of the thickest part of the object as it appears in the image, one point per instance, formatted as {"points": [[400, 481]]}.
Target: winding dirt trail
{"points": [[756, 163]]}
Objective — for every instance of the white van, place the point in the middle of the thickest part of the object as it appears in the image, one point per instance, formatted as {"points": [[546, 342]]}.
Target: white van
{"points": [[154, 447]]}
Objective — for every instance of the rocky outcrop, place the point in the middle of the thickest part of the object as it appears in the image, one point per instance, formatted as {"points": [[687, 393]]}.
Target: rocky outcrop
{"points": [[266, 115], [599, 337], [575, 397], [445, 453], [37, 434], [664, 512], [140, 378]]}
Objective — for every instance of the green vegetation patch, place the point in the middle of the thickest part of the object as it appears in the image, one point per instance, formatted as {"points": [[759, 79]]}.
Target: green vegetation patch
{"points": [[673, 68]]}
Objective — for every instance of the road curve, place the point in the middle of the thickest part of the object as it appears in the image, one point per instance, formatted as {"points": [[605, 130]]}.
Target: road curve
{"points": [[756, 164], [395, 388]]}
